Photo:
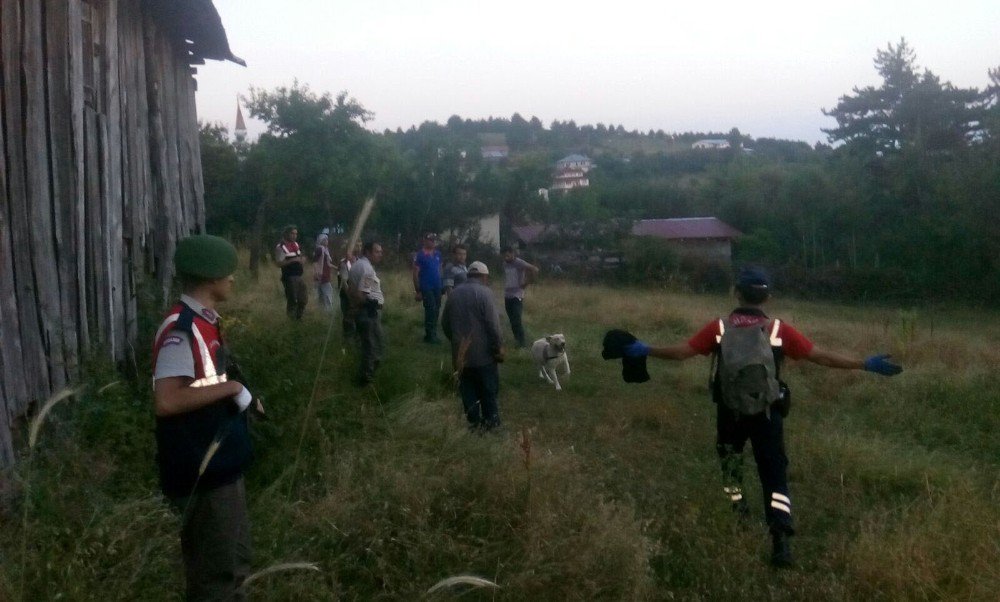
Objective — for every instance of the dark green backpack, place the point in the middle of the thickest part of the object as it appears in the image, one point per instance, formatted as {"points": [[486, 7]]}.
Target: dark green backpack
{"points": [[746, 377]]}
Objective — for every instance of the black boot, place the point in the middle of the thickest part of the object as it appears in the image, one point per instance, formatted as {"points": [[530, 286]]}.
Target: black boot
{"points": [[781, 555]]}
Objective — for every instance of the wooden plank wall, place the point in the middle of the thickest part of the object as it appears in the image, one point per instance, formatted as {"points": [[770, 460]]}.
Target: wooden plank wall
{"points": [[101, 175]]}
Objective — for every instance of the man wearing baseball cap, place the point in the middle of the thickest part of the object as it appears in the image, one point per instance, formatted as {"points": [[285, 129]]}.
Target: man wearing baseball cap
{"points": [[471, 322], [196, 405], [748, 349]]}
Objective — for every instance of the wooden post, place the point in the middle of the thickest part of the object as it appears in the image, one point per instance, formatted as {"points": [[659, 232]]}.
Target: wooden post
{"points": [[12, 384], [113, 246], [35, 364], [60, 113], [78, 174]]}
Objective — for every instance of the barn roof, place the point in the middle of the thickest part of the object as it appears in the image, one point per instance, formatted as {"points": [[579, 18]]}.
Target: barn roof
{"points": [[198, 23], [685, 228]]}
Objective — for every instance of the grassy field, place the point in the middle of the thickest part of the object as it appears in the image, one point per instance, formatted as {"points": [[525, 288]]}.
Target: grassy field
{"points": [[603, 491]]}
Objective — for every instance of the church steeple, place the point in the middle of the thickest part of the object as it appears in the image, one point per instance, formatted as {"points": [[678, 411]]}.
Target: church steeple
{"points": [[241, 126]]}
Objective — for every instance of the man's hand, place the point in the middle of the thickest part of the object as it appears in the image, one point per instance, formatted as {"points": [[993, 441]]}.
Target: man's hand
{"points": [[880, 364], [636, 349], [243, 399], [418, 296], [499, 356]]}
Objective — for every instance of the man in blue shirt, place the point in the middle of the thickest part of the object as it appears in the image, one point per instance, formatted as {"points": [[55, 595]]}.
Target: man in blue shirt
{"points": [[427, 284]]}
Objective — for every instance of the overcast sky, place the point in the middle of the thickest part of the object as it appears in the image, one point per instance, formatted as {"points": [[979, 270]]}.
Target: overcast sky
{"points": [[766, 67]]}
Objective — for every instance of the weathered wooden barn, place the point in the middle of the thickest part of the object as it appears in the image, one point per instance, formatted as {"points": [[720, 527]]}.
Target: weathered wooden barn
{"points": [[101, 174]]}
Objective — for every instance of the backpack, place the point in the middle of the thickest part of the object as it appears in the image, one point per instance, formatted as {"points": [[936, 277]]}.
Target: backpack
{"points": [[746, 375]]}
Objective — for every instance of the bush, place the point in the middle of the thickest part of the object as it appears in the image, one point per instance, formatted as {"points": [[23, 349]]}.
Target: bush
{"points": [[647, 259]]}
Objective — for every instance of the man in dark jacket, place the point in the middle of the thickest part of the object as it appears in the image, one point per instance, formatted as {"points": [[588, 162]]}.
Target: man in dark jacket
{"points": [[471, 323]]}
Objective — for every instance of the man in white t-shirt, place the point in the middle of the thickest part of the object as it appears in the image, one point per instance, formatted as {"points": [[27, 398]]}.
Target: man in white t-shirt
{"points": [[364, 289]]}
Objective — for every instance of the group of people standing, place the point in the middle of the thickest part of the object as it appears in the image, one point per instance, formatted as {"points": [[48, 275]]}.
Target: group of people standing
{"points": [[470, 320], [201, 405]]}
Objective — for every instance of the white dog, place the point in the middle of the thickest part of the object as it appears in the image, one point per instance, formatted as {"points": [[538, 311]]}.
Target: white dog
{"points": [[550, 353]]}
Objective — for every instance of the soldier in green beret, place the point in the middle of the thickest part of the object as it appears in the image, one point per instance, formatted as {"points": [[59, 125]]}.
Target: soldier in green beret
{"points": [[197, 408]]}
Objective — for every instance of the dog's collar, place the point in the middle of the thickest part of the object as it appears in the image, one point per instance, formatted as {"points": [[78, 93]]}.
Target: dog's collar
{"points": [[547, 358]]}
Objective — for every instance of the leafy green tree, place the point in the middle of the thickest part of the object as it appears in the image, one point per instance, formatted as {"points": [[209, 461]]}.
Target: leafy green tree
{"points": [[316, 163], [909, 109]]}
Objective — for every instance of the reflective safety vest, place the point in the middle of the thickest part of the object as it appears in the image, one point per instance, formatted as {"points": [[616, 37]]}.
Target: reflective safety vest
{"points": [[182, 440], [289, 250]]}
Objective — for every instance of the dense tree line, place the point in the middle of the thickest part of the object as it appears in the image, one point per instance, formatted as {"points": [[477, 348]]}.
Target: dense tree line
{"points": [[899, 205]]}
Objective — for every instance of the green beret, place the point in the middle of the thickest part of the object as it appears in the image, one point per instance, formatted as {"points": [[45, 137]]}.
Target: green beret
{"points": [[205, 256]]}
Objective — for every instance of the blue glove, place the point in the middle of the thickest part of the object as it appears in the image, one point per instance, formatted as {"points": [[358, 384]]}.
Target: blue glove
{"points": [[880, 364], [636, 349]]}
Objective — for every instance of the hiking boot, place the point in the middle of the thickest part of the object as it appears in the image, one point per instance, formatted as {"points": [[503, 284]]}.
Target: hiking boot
{"points": [[781, 554]]}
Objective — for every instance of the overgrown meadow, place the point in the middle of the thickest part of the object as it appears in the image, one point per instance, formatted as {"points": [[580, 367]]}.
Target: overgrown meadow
{"points": [[603, 491]]}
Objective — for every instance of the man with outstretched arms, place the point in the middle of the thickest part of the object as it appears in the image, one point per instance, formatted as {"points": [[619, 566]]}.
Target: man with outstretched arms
{"points": [[751, 400], [196, 405]]}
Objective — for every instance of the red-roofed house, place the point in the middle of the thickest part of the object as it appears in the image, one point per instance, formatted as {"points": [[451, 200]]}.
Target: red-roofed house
{"points": [[708, 238], [705, 237]]}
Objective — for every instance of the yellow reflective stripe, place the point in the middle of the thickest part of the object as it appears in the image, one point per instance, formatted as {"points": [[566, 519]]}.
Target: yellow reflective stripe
{"points": [[775, 339], [736, 497], [209, 380], [779, 506], [781, 498], [722, 331]]}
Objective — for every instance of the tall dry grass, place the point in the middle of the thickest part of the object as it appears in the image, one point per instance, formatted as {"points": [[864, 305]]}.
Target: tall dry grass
{"points": [[603, 491]]}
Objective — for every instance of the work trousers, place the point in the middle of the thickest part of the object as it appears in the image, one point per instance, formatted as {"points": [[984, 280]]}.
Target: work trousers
{"points": [[347, 315], [296, 296], [515, 307], [324, 291], [766, 434], [479, 387], [215, 542], [432, 308], [370, 340]]}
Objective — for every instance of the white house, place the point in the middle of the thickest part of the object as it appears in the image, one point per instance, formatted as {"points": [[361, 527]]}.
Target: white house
{"points": [[575, 162], [711, 143]]}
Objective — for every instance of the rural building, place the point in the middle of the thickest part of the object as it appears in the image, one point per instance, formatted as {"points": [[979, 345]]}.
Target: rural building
{"points": [[571, 173], [575, 162], [708, 238], [495, 152], [101, 175], [711, 143]]}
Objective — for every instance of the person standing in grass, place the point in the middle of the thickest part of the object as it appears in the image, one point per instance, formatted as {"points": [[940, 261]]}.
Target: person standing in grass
{"points": [[750, 399], [343, 277], [196, 404], [470, 321], [427, 284], [289, 257], [323, 270], [367, 300], [517, 274], [455, 271]]}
